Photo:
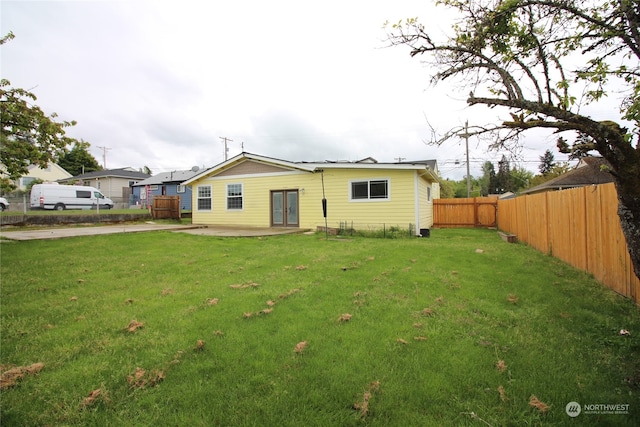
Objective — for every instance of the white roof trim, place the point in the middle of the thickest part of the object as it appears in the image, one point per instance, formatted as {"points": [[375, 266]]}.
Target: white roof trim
{"points": [[311, 166]]}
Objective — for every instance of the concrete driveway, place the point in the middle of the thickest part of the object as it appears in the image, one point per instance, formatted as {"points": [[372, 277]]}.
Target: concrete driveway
{"points": [[60, 233]]}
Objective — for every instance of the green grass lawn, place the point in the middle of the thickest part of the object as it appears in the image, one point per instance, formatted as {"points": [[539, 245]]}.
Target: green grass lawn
{"points": [[299, 331]]}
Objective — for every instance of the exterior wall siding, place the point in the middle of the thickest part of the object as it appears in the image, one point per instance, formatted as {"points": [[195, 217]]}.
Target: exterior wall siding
{"points": [[171, 190], [256, 210], [399, 209], [250, 167], [426, 204]]}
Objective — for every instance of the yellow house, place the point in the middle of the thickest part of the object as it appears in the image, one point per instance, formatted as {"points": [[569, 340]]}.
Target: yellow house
{"points": [[259, 191]]}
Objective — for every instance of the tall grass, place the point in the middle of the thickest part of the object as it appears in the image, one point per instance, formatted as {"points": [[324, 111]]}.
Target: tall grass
{"points": [[437, 333]]}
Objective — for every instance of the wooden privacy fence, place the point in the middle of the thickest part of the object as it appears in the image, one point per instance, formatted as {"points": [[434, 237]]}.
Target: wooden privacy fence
{"points": [[579, 226], [165, 207], [471, 212]]}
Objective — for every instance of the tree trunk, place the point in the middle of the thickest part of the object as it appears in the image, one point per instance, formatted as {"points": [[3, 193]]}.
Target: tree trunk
{"points": [[629, 213], [624, 160]]}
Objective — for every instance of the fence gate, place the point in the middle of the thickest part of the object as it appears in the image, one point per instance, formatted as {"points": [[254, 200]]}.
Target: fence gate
{"points": [[165, 207], [470, 212]]}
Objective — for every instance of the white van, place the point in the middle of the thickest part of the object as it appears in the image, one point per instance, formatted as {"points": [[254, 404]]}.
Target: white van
{"points": [[61, 197]]}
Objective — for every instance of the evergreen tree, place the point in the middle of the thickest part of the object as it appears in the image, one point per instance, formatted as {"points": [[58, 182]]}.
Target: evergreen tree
{"points": [[504, 180], [488, 180], [547, 162]]}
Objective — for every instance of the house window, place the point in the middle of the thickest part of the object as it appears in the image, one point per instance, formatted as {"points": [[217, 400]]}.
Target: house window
{"points": [[181, 188], [204, 198], [428, 194], [374, 189], [234, 196], [154, 187], [26, 180]]}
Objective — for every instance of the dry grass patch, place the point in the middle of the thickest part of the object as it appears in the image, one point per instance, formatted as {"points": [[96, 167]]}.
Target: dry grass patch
{"points": [[244, 285], [11, 376], [502, 393], [536, 403], [299, 348], [344, 317], [134, 325], [427, 312], [362, 406], [142, 379], [94, 396], [288, 294]]}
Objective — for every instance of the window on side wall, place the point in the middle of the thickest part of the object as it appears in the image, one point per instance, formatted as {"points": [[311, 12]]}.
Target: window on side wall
{"points": [[205, 202], [428, 194], [26, 180], [234, 196], [181, 189], [373, 189]]}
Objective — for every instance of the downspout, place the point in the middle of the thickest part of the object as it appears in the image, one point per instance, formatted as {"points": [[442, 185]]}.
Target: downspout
{"points": [[416, 198]]}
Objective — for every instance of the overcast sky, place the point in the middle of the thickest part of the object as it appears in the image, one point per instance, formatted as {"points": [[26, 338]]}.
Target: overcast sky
{"points": [[158, 83]]}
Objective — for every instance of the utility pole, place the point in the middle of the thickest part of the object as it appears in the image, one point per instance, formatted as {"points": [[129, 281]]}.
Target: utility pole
{"points": [[104, 156], [226, 147]]}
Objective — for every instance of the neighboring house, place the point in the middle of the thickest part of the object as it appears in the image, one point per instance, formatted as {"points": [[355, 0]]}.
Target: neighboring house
{"points": [[113, 183], [588, 171], [51, 173], [253, 190], [164, 184]]}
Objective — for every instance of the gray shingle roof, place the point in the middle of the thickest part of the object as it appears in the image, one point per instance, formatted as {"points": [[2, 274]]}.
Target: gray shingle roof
{"points": [[127, 173], [165, 177], [590, 171]]}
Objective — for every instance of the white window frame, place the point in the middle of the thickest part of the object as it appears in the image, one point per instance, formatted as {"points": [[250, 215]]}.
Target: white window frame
{"points": [[368, 198], [199, 197], [181, 188], [241, 196]]}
